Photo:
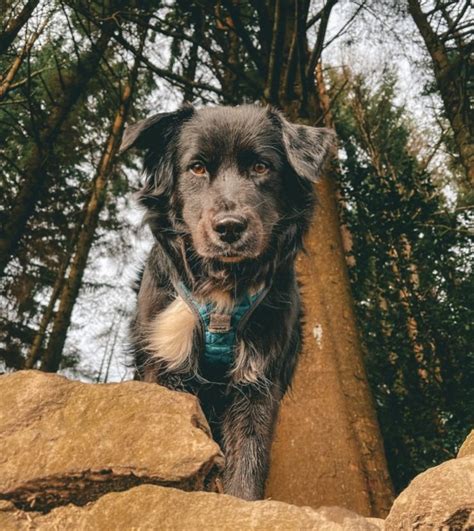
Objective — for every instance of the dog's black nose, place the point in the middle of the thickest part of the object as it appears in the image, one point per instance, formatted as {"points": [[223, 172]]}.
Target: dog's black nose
{"points": [[229, 227]]}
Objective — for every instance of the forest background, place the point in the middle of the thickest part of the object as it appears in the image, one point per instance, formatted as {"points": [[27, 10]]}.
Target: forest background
{"points": [[394, 78]]}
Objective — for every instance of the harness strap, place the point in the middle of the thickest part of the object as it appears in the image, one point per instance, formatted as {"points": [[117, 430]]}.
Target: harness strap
{"points": [[220, 329]]}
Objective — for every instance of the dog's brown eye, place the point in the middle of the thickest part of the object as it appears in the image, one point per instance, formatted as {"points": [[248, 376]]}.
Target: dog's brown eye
{"points": [[260, 167], [198, 169]]}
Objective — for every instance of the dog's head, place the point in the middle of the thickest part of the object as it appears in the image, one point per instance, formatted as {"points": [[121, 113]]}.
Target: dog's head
{"points": [[235, 181]]}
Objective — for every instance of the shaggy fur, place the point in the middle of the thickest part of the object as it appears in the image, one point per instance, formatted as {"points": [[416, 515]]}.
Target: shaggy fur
{"points": [[228, 197]]}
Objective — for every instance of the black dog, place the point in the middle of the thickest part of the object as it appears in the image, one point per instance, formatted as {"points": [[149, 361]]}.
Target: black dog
{"points": [[229, 197]]}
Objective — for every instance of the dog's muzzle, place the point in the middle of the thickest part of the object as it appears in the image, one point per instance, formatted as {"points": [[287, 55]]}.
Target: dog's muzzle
{"points": [[228, 236]]}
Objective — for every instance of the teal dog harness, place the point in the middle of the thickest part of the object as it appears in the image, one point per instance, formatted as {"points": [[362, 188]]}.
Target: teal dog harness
{"points": [[221, 330]]}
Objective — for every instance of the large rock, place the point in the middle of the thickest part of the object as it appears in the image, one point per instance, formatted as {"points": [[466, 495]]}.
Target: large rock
{"points": [[151, 507], [467, 447], [440, 498], [63, 441]]}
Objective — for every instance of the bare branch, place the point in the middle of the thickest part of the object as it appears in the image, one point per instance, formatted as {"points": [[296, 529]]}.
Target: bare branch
{"points": [[203, 43], [346, 25], [318, 46], [6, 84], [15, 25], [162, 72]]}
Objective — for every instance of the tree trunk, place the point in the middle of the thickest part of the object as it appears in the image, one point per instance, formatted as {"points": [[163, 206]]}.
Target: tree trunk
{"points": [[53, 353], [451, 70], [12, 71], [11, 31], [5, 83], [325, 103], [35, 350], [328, 448], [34, 175]]}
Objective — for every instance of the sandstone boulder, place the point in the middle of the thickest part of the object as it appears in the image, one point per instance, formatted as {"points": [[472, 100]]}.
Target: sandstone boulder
{"points": [[442, 498], [153, 507], [63, 441], [467, 447]]}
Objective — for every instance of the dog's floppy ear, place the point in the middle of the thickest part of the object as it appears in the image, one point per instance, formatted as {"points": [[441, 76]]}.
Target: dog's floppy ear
{"points": [[307, 148], [155, 136], [154, 131]]}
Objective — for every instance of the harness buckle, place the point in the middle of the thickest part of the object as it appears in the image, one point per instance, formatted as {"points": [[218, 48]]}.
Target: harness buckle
{"points": [[219, 323]]}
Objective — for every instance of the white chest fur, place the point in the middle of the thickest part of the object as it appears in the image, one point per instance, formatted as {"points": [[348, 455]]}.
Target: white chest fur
{"points": [[170, 336]]}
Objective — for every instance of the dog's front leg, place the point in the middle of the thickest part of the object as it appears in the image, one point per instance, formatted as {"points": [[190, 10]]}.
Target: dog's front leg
{"points": [[247, 430]]}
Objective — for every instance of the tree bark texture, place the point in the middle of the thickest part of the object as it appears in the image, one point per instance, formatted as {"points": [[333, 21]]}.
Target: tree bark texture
{"points": [[34, 174], [328, 448], [451, 70]]}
